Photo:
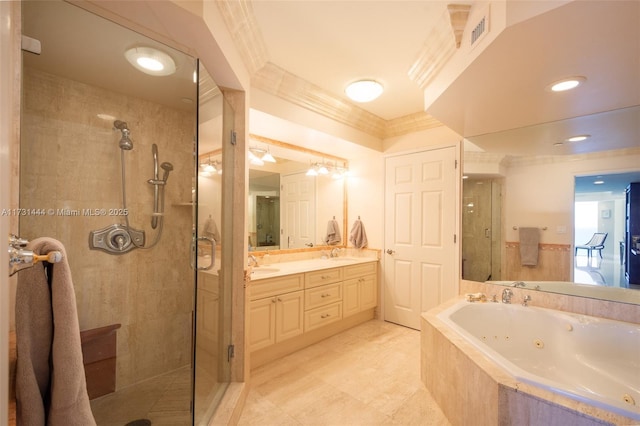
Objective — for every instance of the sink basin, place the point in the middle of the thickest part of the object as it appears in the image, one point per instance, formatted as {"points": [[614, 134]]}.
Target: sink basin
{"points": [[264, 271]]}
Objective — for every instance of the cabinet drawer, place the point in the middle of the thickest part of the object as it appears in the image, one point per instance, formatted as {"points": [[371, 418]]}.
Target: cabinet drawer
{"points": [[322, 295], [324, 276], [359, 270], [277, 285], [323, 315]]}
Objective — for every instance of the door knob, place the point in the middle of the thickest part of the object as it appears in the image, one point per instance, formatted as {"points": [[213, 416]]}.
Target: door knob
{"points": [[389, 251]]}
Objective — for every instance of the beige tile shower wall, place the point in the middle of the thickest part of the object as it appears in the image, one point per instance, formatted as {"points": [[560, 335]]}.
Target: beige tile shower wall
{"points": [[554, 261], [71, 160]]}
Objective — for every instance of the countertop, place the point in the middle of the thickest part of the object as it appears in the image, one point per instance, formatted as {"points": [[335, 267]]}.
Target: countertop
{"points": [[307, 265]]}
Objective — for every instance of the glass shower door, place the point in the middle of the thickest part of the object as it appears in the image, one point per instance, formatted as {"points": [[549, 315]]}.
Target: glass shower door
{"points": [[106, 147], [213, 298]]}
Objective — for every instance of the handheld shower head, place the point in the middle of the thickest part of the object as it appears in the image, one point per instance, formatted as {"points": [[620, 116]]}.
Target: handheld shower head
{"points": [[167, 167]]}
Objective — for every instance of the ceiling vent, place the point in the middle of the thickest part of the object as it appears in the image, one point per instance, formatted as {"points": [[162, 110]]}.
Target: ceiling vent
{"points": [[481, 28]]}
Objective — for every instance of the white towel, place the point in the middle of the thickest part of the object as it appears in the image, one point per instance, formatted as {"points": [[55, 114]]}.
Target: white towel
{"points": [[358, 236], [50, 383], [333, 233], [529, 239]]}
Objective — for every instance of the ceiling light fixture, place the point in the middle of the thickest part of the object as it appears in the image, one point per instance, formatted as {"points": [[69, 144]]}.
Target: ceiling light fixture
{"points": [[150, 60], [364, 90], [598, 182], [566, 84]]}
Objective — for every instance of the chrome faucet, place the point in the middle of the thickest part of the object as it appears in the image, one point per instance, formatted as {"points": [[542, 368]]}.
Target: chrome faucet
{"points": [[252, 261], [526, 300], [518, 284], [335, 252], [506, 295]]}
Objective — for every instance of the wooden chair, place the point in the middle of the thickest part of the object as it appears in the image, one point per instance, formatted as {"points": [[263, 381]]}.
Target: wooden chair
{"points": [[595, 243]]}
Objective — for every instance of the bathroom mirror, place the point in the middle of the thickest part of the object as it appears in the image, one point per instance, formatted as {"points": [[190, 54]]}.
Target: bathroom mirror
{"points": [[288, 208], [501, 182], [516, 128]]}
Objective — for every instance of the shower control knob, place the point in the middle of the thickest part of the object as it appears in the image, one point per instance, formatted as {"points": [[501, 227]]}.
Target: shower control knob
{"points": [[116, 239]]}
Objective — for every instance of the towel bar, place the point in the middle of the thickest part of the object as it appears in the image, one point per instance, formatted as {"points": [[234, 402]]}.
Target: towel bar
{"points": [[515, 228], [21, 258]]}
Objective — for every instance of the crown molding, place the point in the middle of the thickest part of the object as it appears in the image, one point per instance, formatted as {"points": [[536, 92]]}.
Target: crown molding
{"points": [[241, 23]]}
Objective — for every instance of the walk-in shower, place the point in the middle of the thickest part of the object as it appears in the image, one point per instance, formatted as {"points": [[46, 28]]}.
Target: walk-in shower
{"points": [[122, 238]]}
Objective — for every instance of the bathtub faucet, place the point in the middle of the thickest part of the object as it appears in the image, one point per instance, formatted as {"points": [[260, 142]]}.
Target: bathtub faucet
{"points": [[526, 300], [506, 295], [518, 284]]}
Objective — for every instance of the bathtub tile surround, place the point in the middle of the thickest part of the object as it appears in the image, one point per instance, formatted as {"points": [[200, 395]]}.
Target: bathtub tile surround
{"points": [[517, 402], [70, 160], [618, 311]]}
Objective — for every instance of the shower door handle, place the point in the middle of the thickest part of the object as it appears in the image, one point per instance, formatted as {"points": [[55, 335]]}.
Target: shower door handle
{"points": [[194, 253]]}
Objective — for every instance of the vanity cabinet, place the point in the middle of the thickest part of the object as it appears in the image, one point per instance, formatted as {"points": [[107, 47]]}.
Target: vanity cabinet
{"points": [[276, 310], [289, 312], [323, 298], [360, 288]]}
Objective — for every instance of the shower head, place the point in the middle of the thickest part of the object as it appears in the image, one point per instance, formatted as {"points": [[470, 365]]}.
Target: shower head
{"points": [[167, 167], [125, 142]]}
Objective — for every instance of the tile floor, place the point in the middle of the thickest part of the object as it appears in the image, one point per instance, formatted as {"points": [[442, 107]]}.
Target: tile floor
{"points": [[165, 400], [367, 375], [607, 271]]}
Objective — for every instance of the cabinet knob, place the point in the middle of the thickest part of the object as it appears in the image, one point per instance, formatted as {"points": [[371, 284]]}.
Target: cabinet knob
{"points": [[273, 300]]}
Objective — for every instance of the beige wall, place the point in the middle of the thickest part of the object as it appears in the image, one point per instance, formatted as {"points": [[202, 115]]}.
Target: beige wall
{"points": [[71, 160]]}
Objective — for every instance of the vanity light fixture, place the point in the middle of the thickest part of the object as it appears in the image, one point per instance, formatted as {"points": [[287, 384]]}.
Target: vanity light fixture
{"points": [[337, 172], [258, 156], [150, 60], [566, 84], [211, 167], [364, 90]]}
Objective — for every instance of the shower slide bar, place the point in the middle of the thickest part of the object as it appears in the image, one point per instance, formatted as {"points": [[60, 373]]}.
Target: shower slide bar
{"points": [[21, 258]]}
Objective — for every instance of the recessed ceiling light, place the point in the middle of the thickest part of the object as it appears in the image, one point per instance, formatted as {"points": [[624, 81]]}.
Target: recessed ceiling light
{"points": [[150, 60], [364, 90], [566, 84], [598, 182], [578, 138]]}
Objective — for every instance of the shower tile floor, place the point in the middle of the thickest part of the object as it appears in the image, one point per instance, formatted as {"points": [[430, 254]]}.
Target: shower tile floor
{"points": [[367, 375], [164, 400]]}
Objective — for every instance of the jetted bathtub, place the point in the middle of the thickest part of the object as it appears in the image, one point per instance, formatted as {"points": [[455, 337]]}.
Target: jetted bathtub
{"points": [[593, 360]]}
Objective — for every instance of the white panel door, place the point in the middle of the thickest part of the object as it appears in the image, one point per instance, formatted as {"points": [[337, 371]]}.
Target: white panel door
{"points": [[420, 224], [298, 198]]}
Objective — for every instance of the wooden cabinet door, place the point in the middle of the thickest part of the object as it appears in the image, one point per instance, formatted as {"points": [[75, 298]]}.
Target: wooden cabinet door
{"points": [[262, 320], [289, 315], [368, 292], [351, 297]]}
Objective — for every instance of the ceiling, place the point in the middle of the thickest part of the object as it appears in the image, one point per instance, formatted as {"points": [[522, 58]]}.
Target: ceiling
{"points": [[310, 50], [330, 43]]}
